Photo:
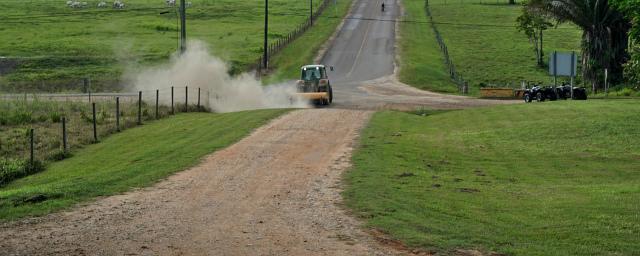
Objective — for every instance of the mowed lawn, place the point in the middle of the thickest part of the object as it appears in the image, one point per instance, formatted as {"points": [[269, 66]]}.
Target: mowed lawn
{"points": [[553, 178], [49, 46], [134, 158], [483, 42]]}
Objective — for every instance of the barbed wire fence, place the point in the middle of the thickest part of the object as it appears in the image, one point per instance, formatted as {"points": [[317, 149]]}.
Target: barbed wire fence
{"points": [[463, 86], [58, 123]]}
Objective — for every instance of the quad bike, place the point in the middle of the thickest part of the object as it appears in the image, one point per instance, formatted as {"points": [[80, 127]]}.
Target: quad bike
{"points": [[540, 94], [564, 92]]}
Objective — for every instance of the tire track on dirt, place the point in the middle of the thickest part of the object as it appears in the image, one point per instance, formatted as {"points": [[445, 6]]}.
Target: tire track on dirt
{"points": [[275, 192]]}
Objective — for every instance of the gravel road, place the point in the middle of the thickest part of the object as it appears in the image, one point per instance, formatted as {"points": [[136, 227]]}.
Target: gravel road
{"points": [[275, 192]]}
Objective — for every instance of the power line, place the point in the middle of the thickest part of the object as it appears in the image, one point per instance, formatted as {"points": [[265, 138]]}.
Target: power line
{"points": [[18, 19]]}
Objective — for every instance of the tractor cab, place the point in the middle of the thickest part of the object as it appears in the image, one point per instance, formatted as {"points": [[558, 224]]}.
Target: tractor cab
{"points": [[313, 73]]}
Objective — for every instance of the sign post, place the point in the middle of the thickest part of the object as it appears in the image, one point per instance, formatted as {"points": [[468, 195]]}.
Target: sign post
{"points": [[606, 82], [563, 64], [573, 70]]}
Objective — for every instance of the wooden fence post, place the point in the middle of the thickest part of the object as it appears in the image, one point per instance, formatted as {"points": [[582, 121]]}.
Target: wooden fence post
{"points": [[64, 135], [186, 99], [139, 107], [198, 99], [118, 114], [173, 111], [31, 142], [95, 128], [157, 104]]}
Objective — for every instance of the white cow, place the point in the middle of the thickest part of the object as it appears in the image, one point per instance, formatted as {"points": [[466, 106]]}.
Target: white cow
{"points": [[118, 5]]}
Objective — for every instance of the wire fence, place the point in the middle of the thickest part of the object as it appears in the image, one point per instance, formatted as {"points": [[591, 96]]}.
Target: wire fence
{"points": [[46, 127], [451, 68], [279, 44]]}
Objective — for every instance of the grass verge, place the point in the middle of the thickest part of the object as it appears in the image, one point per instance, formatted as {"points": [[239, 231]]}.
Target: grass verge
{"points": [[556, 178], [421, 62], [134, 158]]}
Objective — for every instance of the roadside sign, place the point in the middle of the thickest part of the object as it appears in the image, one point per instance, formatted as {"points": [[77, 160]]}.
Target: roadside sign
{"points": [[563, 64]]}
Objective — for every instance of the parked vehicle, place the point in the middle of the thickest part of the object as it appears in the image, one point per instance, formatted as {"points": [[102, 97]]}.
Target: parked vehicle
{"points": [[564, 92], [579, 93], [540, 94]]}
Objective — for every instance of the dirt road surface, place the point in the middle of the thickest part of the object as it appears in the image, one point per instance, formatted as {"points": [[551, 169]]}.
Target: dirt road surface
{"points": [[275, 192]]}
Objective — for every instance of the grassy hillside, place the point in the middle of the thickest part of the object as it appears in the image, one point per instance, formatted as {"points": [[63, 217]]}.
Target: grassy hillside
{"points": [[483, 43], [134, 158], [556, 178], [47, 44]]}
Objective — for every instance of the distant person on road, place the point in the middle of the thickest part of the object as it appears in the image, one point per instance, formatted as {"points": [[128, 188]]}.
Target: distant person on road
{"points": [[383, 6]]}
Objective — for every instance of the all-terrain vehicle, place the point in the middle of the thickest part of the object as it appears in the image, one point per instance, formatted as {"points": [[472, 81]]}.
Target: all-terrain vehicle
{"points": [[564, 92], [540, 94], [314, 85]]}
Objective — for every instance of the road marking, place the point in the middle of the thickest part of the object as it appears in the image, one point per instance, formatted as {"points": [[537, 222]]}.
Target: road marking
{"points": [[364, 40]]}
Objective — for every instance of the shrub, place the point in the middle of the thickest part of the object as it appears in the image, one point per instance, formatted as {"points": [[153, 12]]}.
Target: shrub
{"points": [[42, 118], [58, 155], [626, 92], [20, 117], [11, 170], [55, 116]]}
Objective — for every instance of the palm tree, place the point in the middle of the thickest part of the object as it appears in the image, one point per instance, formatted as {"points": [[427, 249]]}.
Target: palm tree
{"points": [[604, 37]]}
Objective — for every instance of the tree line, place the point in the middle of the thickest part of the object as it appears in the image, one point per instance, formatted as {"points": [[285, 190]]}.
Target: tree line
{"points": [[610, 35]]}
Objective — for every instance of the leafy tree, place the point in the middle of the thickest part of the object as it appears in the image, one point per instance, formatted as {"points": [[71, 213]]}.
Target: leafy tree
{"points": [[604, 37], [632, 68], [533, 23], [631, 8]]}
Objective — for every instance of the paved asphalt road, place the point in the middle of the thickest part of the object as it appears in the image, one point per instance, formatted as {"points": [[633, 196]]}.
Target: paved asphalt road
{"points": [[363, 50]]}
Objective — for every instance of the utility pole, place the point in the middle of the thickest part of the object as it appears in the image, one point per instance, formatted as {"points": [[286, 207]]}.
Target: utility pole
{"points": [[265, 56], [183, 27]]}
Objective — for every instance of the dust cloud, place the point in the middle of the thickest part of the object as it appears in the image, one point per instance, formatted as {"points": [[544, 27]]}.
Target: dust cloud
{"points": [[198, 68]]}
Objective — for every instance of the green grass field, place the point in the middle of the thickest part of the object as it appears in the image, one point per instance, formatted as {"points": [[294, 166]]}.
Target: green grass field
{"points": [[49, 46], [555, 178], [134, 158], [421, 62], [483, 42]]}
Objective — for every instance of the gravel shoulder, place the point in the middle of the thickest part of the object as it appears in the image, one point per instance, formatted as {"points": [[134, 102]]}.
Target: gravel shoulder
{"points": [[275, 192]]}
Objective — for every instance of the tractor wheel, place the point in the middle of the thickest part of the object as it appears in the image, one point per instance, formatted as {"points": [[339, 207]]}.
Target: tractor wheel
{"points": [[527, 98], [539, 97], [330, 95]]}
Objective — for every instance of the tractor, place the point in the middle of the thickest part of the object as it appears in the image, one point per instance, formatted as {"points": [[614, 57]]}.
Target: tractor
{"points": [[314, 85]]}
